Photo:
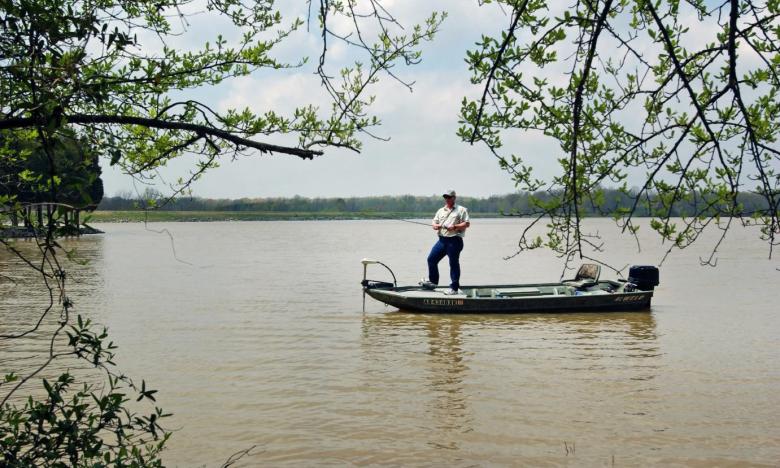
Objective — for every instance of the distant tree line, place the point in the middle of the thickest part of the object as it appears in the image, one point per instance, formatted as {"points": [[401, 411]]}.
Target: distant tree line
{"points": [[607, 201]]}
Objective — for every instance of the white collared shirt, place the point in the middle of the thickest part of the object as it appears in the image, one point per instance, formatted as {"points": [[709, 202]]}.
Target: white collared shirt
{"points": [[449, 217]]}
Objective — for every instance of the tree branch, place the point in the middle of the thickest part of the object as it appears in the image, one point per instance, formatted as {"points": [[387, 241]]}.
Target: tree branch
{"points": [[85, 119], [577, 111], [510, 34]]}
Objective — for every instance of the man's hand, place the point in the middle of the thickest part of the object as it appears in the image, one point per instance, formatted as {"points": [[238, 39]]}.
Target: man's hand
{"points": [[436, 226]]}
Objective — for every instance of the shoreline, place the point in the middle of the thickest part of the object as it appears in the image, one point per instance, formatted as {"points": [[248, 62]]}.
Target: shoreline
{"points": [[21, 232], [10, 232], [215, 216]]}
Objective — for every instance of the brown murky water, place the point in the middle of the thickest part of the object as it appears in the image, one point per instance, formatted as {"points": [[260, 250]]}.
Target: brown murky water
{"points": [[255, 337]]}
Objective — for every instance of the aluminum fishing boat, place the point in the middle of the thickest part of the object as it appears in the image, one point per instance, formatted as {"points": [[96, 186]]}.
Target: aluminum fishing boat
{"points": [[585, 293]]}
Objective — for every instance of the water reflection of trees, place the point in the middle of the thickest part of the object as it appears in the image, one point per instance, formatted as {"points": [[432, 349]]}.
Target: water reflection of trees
{"points": [[582, 343]]}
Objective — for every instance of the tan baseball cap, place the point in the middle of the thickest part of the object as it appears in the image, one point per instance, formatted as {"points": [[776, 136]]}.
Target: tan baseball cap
{"points": [[449, 193]]}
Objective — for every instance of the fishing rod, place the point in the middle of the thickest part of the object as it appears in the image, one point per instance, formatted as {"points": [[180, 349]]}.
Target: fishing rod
{"points": [[405, 220], [370, 215]]}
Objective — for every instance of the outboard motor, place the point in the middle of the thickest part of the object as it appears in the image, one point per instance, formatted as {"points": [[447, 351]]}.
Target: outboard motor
{"points": [[645, 277]]}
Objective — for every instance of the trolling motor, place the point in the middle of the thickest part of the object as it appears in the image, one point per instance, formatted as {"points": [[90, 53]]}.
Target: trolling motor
{"points": [[373, 284]]}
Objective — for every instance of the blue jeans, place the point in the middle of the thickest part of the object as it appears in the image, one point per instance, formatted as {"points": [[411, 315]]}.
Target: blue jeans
{"points": [[451, 247]]}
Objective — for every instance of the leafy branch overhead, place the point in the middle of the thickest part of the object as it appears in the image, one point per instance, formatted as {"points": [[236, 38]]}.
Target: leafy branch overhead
{"points": [[680, 95], [108, 69]]}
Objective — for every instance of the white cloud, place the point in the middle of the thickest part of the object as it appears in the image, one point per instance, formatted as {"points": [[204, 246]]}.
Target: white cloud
{"points": [[424, 155], [279, 93]]}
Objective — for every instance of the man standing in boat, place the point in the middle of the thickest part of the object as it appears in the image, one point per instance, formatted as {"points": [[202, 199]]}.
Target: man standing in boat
{"points": [[451, 222]]}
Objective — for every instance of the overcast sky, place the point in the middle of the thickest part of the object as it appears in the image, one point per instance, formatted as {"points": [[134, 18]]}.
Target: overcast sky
{"points": [[423, 156]]}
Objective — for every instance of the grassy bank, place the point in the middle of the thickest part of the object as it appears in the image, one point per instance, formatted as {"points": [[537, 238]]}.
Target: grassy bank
{"points": [[177, 216]]}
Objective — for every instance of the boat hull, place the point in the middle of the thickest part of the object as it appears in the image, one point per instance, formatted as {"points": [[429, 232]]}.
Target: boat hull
{"points": [[415, 299]]}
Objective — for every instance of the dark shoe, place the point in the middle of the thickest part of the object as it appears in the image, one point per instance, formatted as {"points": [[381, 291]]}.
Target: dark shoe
{"points": [[425, 284]]}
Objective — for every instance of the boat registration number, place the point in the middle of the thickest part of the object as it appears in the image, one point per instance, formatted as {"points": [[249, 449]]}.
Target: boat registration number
{"points": [[443, 302], [632, 298]]}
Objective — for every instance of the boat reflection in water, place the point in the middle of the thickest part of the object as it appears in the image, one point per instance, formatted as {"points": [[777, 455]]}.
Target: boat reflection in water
{"points": [[508, 384]]}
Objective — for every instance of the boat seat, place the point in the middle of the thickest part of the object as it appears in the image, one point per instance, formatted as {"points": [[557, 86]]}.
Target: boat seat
{"points": [[517, 292], [482, 292], [587, 276]]}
